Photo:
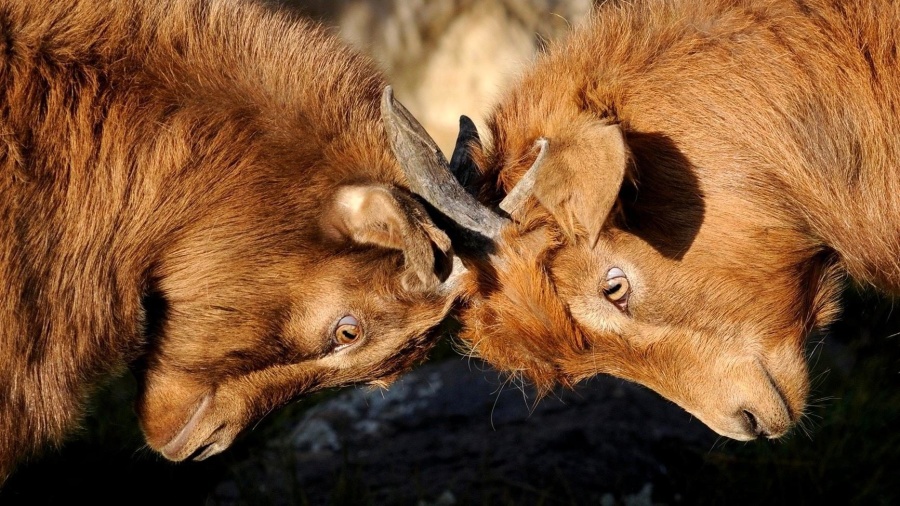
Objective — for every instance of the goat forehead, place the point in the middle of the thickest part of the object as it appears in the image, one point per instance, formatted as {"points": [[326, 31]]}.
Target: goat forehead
{"points": [[713, 259], [698, 290]]}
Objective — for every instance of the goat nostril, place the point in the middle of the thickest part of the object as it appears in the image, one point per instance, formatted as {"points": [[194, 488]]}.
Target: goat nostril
{"points": [[753, 425]]}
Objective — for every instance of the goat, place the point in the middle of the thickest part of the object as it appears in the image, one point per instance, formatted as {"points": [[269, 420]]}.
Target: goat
{"points": [[204, 192], [684, 188]]}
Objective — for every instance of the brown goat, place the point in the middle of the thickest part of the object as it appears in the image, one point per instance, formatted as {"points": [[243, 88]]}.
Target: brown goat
{"points": [[203, 190], [705, 174]]}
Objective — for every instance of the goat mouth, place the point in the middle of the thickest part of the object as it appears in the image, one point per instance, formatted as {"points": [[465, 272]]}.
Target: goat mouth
{"points": [[764, 410], [768, 417], [207, 450], [184, 444], [792, 413]]}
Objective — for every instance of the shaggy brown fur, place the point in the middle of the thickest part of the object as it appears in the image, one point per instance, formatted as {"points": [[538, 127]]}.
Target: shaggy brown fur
{"points": [[762, 140], [201, 189]]}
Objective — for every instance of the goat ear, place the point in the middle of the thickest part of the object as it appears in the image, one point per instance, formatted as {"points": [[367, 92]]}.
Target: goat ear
{"points": [[389, 218], [580, 178]]}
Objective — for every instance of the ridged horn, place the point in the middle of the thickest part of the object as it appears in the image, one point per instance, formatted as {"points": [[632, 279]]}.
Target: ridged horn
{"points": [[522, 190], [428, 174]]}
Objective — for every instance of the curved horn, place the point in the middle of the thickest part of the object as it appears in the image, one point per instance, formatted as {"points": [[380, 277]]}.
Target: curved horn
{"points": [[461, 164], [454, 278], [427, 171], [522, 189]]}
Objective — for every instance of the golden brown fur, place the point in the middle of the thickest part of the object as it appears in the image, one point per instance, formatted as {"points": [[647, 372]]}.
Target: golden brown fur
{"points": [[763, 139], [170, 177]]}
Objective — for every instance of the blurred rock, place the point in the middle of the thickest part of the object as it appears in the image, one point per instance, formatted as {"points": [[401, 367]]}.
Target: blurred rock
{"points": [[448, 57], [455, 430]]}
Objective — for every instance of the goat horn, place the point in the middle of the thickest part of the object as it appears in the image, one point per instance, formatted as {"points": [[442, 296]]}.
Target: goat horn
{"points": [[457, 271], [522, 190], [428, 172], [461, 165]]}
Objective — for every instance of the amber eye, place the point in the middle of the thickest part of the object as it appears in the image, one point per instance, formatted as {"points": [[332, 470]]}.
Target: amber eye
{"points": [[347, 331], [617, 288]]}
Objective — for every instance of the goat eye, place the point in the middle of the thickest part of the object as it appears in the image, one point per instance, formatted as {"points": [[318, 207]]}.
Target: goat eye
{"points": [[617, 288], [347, 331]]}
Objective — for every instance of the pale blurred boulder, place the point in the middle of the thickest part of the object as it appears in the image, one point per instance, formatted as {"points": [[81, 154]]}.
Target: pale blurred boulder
{"points": [[448, 57]]}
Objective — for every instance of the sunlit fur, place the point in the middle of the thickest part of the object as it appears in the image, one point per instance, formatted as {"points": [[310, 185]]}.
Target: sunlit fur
{"points": [[165, 171], [764, 140]]}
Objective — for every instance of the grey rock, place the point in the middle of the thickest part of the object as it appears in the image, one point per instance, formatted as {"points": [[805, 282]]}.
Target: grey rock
{"points": [[457, 429]]}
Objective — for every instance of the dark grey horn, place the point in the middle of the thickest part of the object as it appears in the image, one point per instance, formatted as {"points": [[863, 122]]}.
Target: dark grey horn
{"points": [[428, 172], [522, 190], [461, 164]]}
